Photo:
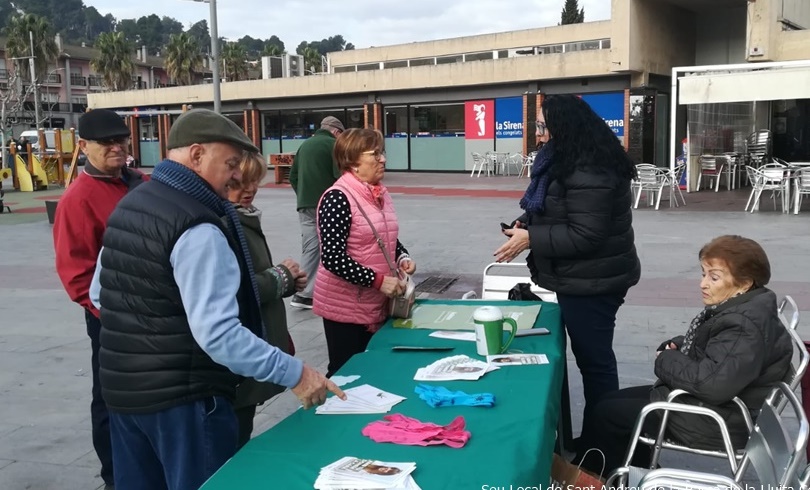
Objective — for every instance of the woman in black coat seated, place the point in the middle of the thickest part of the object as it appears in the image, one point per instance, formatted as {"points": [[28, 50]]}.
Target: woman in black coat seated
{"points": [[735, 347], [579, 226]]}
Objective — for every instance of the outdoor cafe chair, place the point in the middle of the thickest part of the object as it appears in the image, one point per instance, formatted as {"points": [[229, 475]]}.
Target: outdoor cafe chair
{"points": [[770, 177], [801, 187], [713, 166], [480, 163], [528, 161], [774, 450], [652, 180]]}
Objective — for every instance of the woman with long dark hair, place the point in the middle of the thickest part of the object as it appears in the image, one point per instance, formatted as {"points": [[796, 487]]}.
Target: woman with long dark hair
{"points": [[578, 227]]}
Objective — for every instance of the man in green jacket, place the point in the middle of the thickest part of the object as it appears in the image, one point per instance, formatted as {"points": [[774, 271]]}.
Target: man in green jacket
{"points": [[313, 171]]}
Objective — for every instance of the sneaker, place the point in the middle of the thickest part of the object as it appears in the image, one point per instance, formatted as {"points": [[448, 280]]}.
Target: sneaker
{"points": [[301, 302]]}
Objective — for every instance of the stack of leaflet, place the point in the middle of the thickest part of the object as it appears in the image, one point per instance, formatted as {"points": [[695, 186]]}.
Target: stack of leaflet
{"points": [[453, 368], [355, 473], [360, 399]]}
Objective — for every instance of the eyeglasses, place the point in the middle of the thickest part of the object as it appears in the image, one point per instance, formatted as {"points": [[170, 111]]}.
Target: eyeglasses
{"points": [[541, 127], [378, 154], [123, 142]]}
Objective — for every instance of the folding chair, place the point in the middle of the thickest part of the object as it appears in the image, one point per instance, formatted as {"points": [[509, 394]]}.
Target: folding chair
{"points": [[497, 286]]}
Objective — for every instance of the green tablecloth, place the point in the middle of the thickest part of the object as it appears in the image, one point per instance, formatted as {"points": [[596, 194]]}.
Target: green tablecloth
{"points": [[511, 443]]}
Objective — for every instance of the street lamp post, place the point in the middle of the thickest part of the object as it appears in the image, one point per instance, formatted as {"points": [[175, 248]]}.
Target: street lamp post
{"points": [[214, 53], [34, 80]]}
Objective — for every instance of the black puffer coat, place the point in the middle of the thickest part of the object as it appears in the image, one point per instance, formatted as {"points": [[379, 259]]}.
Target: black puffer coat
{"points": [[741, 349], [582, 243]]}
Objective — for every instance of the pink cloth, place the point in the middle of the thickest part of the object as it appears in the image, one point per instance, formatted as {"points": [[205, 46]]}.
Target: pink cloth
{"points": [[337, 299], [400, 429]]}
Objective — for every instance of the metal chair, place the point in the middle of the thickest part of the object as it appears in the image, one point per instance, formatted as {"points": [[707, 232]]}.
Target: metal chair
{"points": [[769, 177], [528, 161], [651, 180], [675, 182], [801, 187], [774, 451], [790, 323], [711, 166], [480, 163], [497, 286]]}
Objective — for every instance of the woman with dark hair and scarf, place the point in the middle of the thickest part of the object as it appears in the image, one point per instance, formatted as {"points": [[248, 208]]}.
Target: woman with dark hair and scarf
{"points": [[578, 227], [736, 346]]}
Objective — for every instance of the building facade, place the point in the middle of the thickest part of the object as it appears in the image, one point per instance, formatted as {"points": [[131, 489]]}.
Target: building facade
{"points": [[439, 101]]}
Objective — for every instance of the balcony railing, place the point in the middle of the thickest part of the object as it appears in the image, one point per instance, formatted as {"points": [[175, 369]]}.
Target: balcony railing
{"points": [[78, 80], [53, 79], [95, 81]]}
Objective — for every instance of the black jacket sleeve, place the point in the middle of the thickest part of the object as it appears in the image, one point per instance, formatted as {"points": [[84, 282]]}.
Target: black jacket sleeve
{"points": [[733, 358], [589, 200]]}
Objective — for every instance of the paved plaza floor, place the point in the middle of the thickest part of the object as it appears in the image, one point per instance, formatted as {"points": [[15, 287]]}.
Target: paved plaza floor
{"points": [[449, 223]]}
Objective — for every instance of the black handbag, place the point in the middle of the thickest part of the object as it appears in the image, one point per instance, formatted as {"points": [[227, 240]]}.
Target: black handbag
{"points": [[522, 291]]}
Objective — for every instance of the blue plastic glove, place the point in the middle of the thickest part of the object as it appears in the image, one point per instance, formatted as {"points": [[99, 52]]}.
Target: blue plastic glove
{"points": [[439, 396]]}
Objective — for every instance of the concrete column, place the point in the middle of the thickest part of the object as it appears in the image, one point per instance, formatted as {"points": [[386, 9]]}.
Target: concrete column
{"points": [[71, 121]]}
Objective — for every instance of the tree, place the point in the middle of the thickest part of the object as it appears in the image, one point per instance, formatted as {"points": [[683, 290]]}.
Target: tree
{"points": [[150, 31], [234, 59], [114, 60], [169, 26], [571, 13], [95, 24], [183, 58], [272, 50], [199, 32], [130, 30], [274, 41], [313, 63], [18, 43], [253, 47]]}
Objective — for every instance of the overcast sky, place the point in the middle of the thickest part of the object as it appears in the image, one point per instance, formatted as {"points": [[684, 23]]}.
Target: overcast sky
{"points": [[361, 22]]}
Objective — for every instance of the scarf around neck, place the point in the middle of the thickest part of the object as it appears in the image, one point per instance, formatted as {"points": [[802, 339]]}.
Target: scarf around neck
{"points": [[709, 311], [183, 179], [533, 201]]}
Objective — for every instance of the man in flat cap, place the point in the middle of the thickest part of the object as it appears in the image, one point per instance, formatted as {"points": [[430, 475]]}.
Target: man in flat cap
{"points": [[81, 218], [313, 171], [180, 314]]}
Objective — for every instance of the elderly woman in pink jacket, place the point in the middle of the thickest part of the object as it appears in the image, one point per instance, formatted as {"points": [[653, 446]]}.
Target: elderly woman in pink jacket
{"points": [[361, 256]]}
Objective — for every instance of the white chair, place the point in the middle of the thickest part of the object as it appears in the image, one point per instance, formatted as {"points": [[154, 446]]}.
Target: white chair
{"points": [[712, 168], [774, 450], [528, 161], [651, 180], [801, 187], [766, 178], [499, 278], [675, 183], [480, 163]]}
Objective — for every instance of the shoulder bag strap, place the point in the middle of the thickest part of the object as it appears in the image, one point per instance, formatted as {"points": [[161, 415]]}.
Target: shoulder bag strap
{"points": [[376, 235]]}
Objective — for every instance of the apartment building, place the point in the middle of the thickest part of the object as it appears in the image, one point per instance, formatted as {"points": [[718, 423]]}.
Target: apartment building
{"points": [[425, 96]]}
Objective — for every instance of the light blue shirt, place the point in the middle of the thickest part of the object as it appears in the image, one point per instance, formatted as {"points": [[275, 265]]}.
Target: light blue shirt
{"points": [[207, 273]]}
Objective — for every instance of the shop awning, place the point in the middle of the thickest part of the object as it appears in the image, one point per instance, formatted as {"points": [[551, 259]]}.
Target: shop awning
{"points": [[745, 86]]}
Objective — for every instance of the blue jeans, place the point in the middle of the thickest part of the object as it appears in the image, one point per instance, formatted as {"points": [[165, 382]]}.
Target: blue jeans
{"points": [[175, 449]]}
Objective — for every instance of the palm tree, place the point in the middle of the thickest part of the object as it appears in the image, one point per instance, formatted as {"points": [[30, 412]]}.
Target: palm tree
{"points": [[114, 60], [18, 43], [234, 57], [183, 58], [312, 60], [272, 50]]}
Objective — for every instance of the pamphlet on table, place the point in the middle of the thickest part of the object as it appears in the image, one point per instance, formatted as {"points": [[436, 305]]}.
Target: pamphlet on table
{"points": [[360, 399], [355, 473], [454, 368]]}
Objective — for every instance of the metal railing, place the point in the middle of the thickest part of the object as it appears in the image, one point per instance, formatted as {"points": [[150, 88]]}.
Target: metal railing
{"points": [[78, 80], [95, 81]]}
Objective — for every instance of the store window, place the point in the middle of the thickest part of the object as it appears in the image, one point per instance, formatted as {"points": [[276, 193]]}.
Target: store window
{"points": [[396, 121], [437, 120]]}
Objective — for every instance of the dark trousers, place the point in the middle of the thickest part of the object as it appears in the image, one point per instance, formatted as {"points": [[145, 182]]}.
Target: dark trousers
{"points": [[590, 321], [175, 449], [610, 429], [98, 408], [343, 340], [244, 419]]}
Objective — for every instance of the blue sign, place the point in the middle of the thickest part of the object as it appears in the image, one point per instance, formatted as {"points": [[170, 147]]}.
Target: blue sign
{"points": [[610, 107], [509, 117]]}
